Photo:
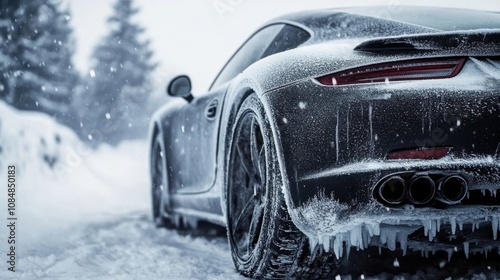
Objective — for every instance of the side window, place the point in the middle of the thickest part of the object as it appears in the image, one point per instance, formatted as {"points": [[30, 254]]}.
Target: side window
{"points": [[270, 40], [250, 52], [289, 38]]}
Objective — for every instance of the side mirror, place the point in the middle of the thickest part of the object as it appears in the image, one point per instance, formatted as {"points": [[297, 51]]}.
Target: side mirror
{"points": [[180, 86]]}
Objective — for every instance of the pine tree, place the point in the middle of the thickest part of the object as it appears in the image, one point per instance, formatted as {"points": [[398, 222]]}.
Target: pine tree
{"points": [[36, 49], [8, 10], [118, 86]]}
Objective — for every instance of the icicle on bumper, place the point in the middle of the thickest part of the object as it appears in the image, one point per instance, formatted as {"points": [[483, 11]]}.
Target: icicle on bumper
{"points": [[339, 228]]}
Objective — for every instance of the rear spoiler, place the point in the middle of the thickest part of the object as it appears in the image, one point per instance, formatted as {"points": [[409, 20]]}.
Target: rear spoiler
{"points": [[482, 42]]}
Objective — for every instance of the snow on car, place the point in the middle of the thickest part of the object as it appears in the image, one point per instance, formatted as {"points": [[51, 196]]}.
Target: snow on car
{"points": [[337, 129]]}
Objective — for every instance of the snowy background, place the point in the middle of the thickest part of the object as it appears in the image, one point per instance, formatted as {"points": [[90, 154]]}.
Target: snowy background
{"points": [[83, 205]]}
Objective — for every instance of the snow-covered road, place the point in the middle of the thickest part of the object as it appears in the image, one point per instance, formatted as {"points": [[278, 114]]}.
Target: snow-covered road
{"points": [[128, 247]]}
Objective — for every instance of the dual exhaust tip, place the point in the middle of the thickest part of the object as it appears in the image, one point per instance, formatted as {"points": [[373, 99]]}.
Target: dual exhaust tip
{"points": [[422, 189]]}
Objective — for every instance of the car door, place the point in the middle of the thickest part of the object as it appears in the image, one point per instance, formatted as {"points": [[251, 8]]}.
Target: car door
{"points": [[197, 125], [193, 144]]}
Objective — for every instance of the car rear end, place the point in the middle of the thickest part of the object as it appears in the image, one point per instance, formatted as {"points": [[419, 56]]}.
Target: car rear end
{"points": [[397, 151]]}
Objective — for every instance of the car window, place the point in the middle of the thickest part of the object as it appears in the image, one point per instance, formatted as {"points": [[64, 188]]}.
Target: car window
{"points": [[250, 52], [289, 38], [269, 40]]}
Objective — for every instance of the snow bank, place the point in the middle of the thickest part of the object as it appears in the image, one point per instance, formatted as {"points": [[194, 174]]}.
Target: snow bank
{"points": [[61, 182], [35, 143]]}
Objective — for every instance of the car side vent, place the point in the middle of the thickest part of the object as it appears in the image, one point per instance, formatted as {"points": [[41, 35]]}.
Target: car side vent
{"points": [[424, 69]]}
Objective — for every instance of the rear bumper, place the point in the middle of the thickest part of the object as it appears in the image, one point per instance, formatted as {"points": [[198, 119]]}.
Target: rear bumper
{"points": [[354, 184], [363, 222]]}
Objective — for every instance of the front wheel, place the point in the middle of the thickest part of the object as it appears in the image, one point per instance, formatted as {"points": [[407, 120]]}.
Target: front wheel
{"points": [[264, 241], [158, 182]]}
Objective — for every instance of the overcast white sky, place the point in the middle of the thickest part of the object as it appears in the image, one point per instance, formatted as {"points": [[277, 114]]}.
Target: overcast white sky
{"points": [[196, 37]]}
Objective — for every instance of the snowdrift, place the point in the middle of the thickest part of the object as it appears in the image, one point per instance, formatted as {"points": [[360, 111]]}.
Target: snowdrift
{"points": [[37, 144], [61, 182]]}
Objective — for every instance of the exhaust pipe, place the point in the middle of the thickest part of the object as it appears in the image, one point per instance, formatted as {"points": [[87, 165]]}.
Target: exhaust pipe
{"points": [[452, 189], [393, 190], [422, 190]]}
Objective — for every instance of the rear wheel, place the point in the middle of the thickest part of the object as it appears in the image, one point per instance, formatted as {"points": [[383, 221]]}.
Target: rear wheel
{"points": [[264, 241]]}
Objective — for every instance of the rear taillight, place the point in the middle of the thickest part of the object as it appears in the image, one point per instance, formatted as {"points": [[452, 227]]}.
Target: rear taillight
{"points": [[396, 71]]}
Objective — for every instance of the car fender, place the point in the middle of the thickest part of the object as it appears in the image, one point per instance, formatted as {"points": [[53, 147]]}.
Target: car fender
{"points": [[159, 120], [168, 109]]}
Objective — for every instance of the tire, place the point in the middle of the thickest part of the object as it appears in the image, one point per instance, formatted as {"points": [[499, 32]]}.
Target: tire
{"points": [[159, 183], [263, 240]]}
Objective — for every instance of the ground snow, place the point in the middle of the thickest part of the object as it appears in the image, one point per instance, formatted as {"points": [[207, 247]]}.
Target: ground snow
{"points": [[126, 247]]}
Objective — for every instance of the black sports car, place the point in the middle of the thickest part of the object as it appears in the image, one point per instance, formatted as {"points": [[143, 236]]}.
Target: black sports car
{"points": [[337, 129]]}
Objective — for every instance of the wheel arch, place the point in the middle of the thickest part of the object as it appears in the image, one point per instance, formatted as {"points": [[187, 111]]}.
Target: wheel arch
{"points": [[234, 102], [281, 157], [247, 88], [154, 131]]}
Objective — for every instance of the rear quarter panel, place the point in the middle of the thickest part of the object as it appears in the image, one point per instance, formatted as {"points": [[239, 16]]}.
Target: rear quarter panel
{"points": [[321, 128]]}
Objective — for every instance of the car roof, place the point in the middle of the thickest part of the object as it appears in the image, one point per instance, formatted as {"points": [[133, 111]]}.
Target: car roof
{"points": [[380, 21], [446, 19]]}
